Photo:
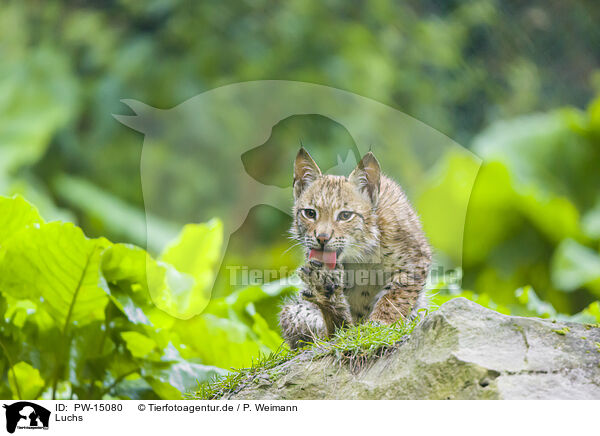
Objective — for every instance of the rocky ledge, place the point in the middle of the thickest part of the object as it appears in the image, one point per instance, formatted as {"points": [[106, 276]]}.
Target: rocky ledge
{"points": [[461, 351]]}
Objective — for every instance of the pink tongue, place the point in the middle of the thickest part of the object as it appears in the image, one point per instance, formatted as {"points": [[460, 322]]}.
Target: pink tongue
{"points": [[327, 257]]}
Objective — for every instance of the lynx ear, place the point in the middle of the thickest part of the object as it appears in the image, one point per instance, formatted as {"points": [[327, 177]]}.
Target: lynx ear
{"points": [[366, 177], [306, 171]]}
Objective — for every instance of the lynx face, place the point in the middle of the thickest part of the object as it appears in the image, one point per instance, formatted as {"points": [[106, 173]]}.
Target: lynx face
{"points": [[336, 213]]}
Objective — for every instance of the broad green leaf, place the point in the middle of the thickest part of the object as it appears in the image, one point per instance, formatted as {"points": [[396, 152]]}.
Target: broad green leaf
{"points": [[218, 341], [268, 337], [253, 294], [448, 188], [181, 282], [556, 217], [139, 284], [492, 196], [138, 344], [38, 193], [545, 159], [174, 292], [19, 310], [92, 348], [163, 389], [124, 268], [182, 374], [38, 97], [196, 251], [58, 266], [28, 381], [15, 215], [185, 375], [575, 266]]}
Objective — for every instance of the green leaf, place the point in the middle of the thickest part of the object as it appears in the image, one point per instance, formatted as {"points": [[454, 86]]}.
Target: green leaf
{"points": [[28, 381], [528, 298], [163, 389], [18, 310], [184, 375], [37, 87], [139, 345], [58, 266], [593, 311], [196, 250], [575, 266], [448, 188], [124, 268], [15, 215], [218, 341], [238, 300], [139, 284], [181, 282], [268, 337]]}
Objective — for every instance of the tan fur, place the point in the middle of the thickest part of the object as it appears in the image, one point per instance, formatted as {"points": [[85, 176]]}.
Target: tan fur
{"points": [[383, 240]]}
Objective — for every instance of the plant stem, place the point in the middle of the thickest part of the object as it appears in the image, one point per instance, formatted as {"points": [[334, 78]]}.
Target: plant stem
{"points": [[65, 349], [12, 368]]}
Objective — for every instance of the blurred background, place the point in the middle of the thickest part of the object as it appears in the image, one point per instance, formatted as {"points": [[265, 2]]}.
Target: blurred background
{"points": [[514, 82]]}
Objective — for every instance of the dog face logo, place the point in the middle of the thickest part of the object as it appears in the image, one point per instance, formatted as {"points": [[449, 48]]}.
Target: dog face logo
{"points": [[26, 415], [212, 131]]}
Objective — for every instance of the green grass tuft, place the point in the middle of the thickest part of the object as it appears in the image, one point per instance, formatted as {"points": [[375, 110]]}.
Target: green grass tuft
{"points": [[356, 347], [360, 344], [230, 383]]}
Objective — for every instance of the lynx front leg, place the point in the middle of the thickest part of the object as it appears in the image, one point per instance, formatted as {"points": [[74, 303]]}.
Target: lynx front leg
{"points": [[301, 321], [398, 299], [324, 288]]}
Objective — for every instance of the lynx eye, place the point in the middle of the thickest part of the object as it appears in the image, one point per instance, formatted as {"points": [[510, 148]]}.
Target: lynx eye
{"points": [[310, 214], [345, 215]]}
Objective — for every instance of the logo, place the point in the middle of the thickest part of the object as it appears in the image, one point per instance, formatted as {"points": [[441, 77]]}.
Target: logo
{"points": [[26, 415]]}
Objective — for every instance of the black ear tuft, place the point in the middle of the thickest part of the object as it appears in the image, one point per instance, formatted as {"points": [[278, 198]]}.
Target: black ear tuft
{"points": [[306, 171], [366, 176]]}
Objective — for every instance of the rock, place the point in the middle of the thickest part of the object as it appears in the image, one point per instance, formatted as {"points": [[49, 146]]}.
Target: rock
{"points": [[461, 351]]}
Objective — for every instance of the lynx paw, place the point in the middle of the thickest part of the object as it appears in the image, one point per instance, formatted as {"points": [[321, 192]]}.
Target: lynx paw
{"points": [[322, 284]]}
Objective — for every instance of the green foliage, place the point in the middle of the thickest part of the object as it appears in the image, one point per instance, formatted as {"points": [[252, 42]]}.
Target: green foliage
{"points": [[575, 266], [85, 318], [532, 210], [58, 268], [25, 381]]}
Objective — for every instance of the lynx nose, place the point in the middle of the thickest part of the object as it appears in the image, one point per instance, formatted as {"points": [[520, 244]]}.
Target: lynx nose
{"points": [[323, 238]]}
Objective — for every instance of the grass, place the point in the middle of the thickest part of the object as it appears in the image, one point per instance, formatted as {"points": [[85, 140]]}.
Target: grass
{"points": [[360, 344], [238, 377], [355, 347]]}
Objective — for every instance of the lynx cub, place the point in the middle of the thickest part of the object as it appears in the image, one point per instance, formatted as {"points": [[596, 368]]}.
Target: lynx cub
{"points": [[368, 258]]}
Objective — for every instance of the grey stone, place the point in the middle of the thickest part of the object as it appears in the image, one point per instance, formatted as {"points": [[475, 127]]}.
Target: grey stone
{"points": [[461, 351]]}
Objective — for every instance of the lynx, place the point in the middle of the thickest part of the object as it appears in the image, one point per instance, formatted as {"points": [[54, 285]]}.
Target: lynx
{"points": [[367, 256]]}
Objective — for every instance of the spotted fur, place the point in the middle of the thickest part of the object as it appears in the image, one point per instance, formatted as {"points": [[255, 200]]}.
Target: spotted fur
{"points": [[383, 240]]}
